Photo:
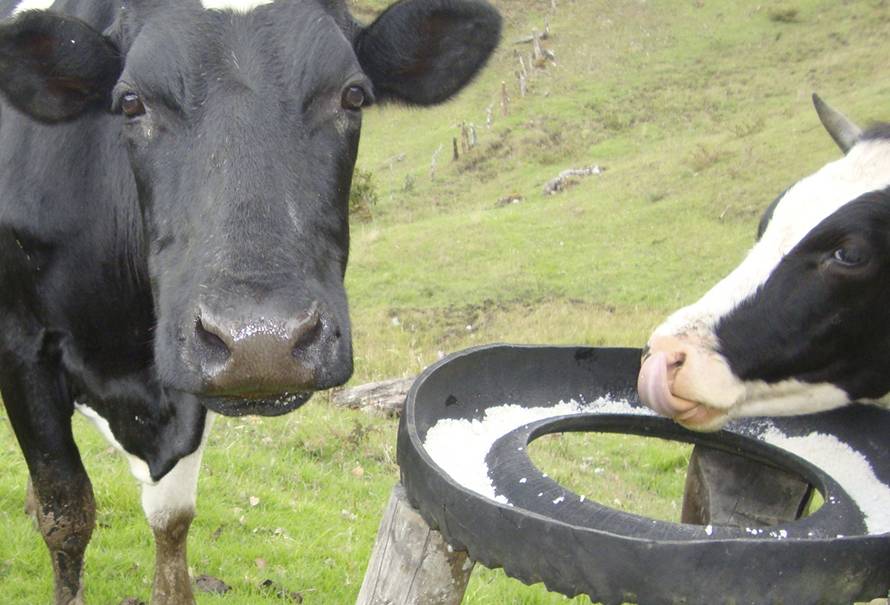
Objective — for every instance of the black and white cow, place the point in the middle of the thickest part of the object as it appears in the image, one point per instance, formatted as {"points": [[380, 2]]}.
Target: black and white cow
{"points": [[803, 323], [174, 181]]}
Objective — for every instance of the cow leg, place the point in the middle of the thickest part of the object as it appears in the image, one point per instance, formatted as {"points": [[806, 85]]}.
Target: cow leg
{"points": [[66, 516], [169, 506], [39, 410]]}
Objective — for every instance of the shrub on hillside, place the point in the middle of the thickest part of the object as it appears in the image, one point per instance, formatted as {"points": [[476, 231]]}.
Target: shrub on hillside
{"points": [[363, 195]]}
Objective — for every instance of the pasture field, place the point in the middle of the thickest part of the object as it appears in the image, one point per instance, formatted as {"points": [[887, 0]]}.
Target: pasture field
{"points": [[699, 112]]}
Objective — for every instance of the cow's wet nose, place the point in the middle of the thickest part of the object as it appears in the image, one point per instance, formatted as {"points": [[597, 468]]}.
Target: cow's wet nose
{"points": [[256, 354]]}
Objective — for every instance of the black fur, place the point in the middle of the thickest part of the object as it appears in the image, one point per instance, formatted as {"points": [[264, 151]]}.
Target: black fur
{"points": [[223, 195], [877, 132], [819, 320], [55, 69], [415, 38], [130, 246], [767, 215]]}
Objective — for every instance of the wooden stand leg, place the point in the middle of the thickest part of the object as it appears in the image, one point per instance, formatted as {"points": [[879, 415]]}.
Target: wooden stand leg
{"points": [[411, 564], [727, 489]]}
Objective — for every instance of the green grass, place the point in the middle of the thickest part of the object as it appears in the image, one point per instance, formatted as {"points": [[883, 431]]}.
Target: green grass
{"points": [[641, 475], [698, 110]]}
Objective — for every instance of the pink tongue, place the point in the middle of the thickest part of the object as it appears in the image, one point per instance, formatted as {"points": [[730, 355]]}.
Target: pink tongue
{"points": [[652, 385]]}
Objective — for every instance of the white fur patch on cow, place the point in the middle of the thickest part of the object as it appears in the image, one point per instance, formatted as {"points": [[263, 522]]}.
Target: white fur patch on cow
{"points": [[238, 6], [705, 376], [789, 397], [28, 5], [865, 168], [176, 492], [138, 466]]}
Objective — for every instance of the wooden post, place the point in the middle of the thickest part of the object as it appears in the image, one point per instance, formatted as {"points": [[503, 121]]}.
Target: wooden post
{"points": [[464, 138], [411, 564], [537, 51], [434, 161], [727, 489], [455, 154], [505, 99], [489, 118]]}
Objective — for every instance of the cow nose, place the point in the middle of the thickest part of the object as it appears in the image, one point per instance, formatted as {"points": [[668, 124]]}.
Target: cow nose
{"points": [[675, 352], [222, 336], [257, 355]]}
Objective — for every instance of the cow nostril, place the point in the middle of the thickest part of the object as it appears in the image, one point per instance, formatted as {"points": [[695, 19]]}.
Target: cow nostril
{"points": [[677, 360], [305, 331], [211, 342]]}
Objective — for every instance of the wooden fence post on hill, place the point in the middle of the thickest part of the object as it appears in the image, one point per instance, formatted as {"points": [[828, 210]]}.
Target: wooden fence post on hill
{"points": [[434, 161]]}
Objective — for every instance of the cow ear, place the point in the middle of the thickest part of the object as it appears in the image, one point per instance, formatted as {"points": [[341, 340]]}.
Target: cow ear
{"points": [[423, 52], [56, 68]]}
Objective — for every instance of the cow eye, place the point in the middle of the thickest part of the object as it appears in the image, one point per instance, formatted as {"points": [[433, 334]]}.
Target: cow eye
{"points": [[849, 256], [353, 98], [131, 105]]}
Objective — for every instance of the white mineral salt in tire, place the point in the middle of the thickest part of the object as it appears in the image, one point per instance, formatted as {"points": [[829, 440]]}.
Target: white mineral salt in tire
{"points": [[459, 447]]}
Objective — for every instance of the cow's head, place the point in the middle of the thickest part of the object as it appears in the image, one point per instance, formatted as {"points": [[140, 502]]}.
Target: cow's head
{"points": [[803, 324], [241, 128]]}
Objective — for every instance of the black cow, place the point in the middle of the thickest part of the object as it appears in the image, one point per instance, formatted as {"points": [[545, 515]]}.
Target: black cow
{"points": [[174, 180], [803, 323]]}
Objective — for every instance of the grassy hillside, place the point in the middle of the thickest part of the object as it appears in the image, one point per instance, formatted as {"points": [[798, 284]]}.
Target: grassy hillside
{"points": [[699, 113]]}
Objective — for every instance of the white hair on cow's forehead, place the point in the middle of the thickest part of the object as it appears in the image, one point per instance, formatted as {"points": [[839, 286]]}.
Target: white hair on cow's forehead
{"points": [[27, 5], [241, 6], [810, 201]]}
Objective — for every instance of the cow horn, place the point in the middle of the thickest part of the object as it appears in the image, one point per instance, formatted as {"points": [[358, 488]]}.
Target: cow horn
{"points": [[842, 130]]}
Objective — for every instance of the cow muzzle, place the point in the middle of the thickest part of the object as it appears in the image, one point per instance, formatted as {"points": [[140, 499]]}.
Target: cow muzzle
{"points": [[266, 361], [682, 379]]}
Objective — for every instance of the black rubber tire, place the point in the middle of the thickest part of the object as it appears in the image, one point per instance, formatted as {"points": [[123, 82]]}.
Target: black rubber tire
{"points": [[583, 547]]}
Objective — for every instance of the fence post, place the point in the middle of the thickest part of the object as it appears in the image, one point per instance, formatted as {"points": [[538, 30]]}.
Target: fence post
{"points": [[411, 564]]}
